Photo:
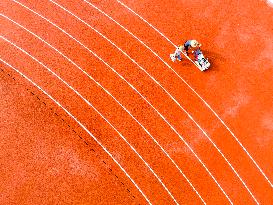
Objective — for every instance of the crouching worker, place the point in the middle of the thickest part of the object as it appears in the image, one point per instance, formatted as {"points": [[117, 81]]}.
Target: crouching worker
{"points": [[177, 54], [190, 44]]}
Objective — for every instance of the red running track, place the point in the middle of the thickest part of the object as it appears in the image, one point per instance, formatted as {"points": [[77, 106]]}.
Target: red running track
{"points": [[47, 158]]}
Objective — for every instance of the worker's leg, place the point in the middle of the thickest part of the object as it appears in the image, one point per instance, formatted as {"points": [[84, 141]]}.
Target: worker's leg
{"points": [[179, 57]]}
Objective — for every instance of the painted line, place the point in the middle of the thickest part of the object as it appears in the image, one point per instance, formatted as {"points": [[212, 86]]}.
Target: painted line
{"points": [[133, 89], [234, 136], [72, 62], [146, 22], [87, 102], [81, 125], [236, 173]]}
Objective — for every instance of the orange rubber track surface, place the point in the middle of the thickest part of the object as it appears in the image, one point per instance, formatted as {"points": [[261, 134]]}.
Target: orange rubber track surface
{"points": [[91, 115]]}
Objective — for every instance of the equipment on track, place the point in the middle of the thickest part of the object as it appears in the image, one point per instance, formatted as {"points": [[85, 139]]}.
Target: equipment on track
{"points": [[199, 59]]}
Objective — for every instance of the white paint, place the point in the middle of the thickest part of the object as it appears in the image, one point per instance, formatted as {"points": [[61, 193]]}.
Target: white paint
{"points": [[172, 98], [81, 125]]}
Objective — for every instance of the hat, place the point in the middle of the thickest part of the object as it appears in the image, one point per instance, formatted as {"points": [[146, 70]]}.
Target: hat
{"points": [[194, 43]]}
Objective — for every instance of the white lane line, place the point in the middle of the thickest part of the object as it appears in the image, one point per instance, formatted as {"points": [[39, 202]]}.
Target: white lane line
{"points": [[236, 173], [131, 87], [81, 126], [146, 22], [87, 102], [237, 140], [72, 62]]}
